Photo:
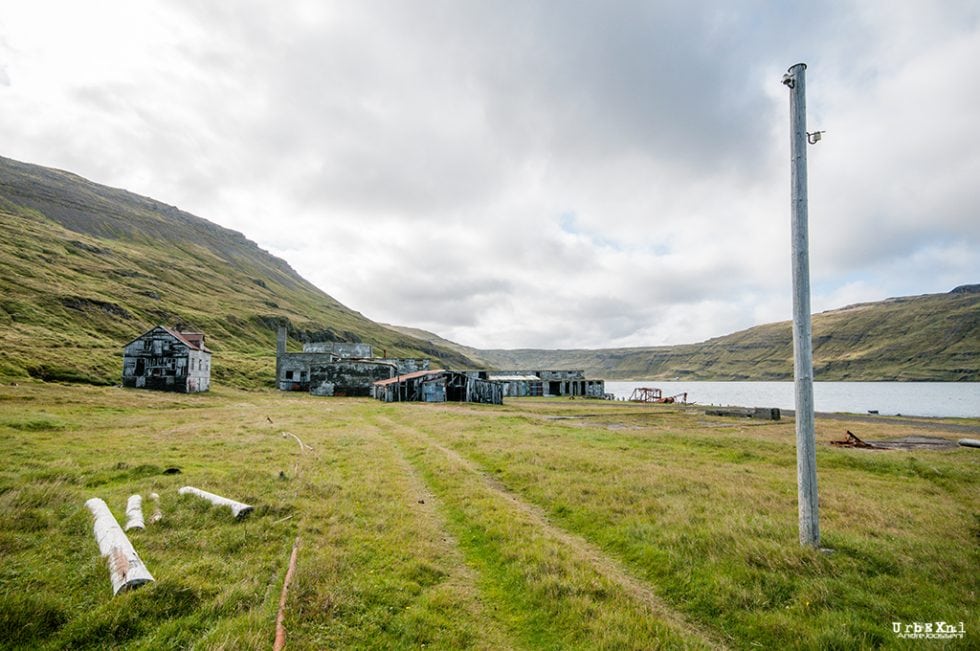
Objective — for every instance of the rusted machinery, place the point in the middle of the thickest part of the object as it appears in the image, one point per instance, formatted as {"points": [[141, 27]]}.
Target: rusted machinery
{"points": [[650, 394]]}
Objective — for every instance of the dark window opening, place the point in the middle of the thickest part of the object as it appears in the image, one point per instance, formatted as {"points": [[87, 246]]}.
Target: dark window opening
{"points": [[455, 393]]}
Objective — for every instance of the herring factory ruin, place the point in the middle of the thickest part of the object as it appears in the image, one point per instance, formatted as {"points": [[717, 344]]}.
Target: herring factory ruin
{"points": [[337, 369], [351, 369]]}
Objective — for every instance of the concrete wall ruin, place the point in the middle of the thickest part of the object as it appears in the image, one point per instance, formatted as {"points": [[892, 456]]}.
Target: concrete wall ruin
{"points": [[336, 368]]}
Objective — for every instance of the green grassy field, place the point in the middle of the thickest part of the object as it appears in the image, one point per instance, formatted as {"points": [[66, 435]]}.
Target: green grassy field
{"points": [[540, 524]]}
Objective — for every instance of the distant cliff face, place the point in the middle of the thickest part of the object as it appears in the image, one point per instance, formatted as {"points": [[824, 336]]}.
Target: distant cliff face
{"points": [[86, 268], [966, 289]]}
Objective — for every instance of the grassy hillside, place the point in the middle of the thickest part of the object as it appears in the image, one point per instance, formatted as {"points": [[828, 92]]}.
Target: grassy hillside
{"points": [[935, 337], [86, 268], [539, 524]]}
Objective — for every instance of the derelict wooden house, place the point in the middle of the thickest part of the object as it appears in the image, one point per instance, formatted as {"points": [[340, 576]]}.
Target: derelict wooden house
{"points": [[167, 360]]}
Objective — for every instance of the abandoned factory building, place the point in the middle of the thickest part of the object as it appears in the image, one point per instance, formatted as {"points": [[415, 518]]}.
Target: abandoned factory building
{"points": [[350, 369], [547, 383], [337, 369], [485, 386], [439, 385], [167, 360]]}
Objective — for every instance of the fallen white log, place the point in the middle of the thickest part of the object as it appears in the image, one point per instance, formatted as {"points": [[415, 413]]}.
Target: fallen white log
{"points": [[134, 513], [157, 513], [126, 570], [970, 443], [238, 509]]}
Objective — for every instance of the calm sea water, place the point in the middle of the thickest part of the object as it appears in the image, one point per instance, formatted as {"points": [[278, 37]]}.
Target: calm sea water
{"points": [[949, 399]]}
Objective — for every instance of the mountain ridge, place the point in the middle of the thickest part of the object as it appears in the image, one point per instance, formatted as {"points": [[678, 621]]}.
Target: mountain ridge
{"points": [[87, 267], [896, 339]]}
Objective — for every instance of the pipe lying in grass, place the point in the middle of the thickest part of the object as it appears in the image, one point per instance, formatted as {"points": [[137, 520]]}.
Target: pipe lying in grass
{"points": [[134, 513], [238, 509], [157, 513], [303, 447], [970, 443], [126, 570]]}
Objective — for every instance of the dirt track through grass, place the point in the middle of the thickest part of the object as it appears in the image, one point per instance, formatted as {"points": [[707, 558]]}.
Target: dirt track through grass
{"points": [[586, 554]]}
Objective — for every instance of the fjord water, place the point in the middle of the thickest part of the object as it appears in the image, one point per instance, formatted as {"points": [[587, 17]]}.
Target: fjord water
{"points": [[936, 399]]}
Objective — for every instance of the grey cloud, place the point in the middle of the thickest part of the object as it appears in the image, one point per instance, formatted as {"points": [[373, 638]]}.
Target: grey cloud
{"points": [[414, 159]]}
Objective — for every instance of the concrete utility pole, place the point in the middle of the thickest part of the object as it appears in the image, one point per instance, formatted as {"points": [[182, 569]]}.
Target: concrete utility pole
{"points": [[806, 456]]}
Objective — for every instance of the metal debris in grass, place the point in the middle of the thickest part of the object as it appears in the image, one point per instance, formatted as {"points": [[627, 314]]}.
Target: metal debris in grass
{"points": [[905, 443]]}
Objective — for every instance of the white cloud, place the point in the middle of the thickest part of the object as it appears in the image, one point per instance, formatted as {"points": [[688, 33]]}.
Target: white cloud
{"points": [[526, 174]]}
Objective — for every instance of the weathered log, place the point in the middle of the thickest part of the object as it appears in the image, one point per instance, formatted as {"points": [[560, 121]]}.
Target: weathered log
{"points": [[970, 443], [238, 509], [157, 513], [134, 513], [126, 570]]}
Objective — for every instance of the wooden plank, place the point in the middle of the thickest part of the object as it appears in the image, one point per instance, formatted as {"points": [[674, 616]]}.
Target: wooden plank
{"points": [[280, 641]]}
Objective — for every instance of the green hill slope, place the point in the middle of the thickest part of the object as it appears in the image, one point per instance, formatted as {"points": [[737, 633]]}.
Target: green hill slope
{"points": [[86, 268], [935, 337]]}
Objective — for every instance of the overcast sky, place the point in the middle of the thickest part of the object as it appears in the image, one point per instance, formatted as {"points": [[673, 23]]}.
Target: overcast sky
{"points": [[514, 173]]}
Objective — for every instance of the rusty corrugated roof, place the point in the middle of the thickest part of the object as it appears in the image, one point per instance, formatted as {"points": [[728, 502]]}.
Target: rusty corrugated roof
{"points": [[177, 335], [182, 339]]}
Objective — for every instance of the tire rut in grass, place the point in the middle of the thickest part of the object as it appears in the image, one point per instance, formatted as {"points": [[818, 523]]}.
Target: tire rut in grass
{"points": [[463, 577], [580, 548], [381, 570]]}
